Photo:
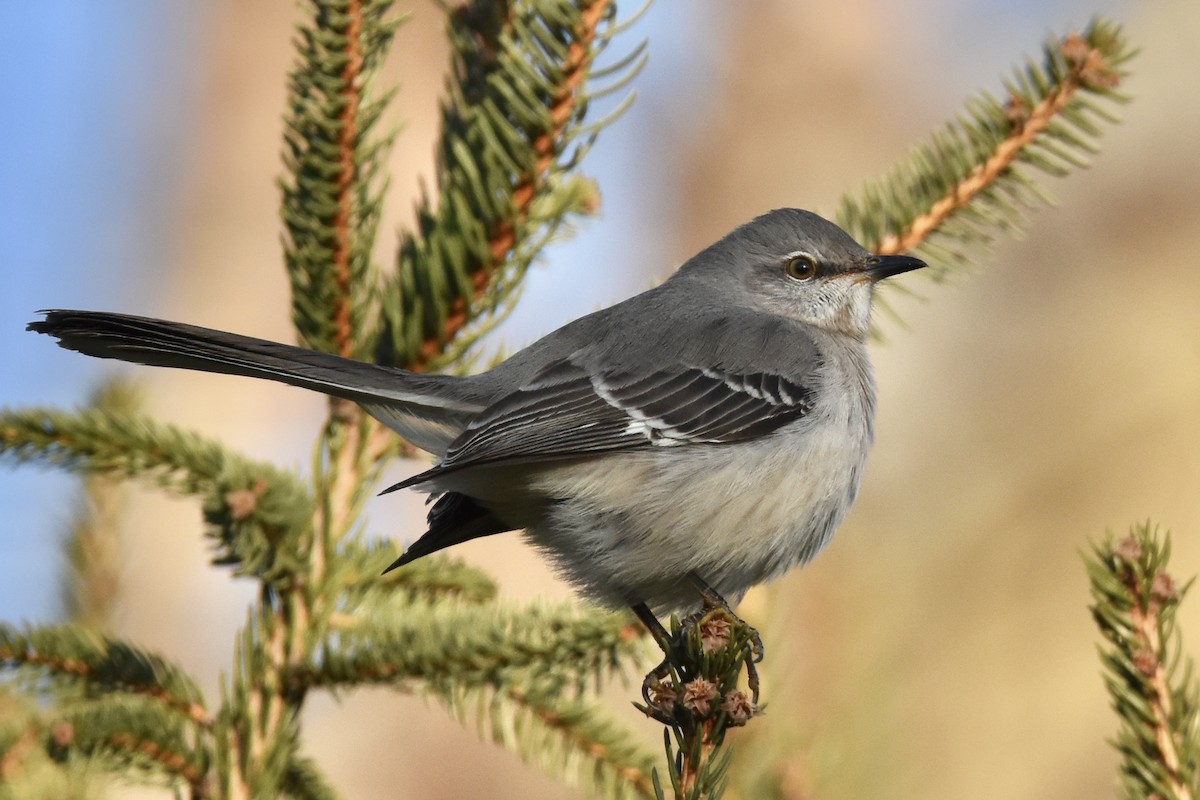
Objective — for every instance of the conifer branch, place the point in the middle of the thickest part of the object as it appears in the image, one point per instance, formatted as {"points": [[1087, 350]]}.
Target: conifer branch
{"points": [[1151, 681], [125, 734], [427, 580], [332, 194], [969, 180], [445, 644], [331, 206], [304, 781], [618, 765], [512, 129], [257, 725], [16, 753], [100, 664], [143, 751], [351, 96], [249, 506], [695, 694], [92, 543]]}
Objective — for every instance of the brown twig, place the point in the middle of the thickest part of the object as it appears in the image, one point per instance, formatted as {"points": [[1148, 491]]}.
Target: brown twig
{"points": [[1088, 69], [175, 763], [12, 762], [1145, 616]]}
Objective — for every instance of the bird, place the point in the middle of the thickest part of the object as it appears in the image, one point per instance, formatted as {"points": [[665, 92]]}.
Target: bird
{"points": [[683, 445]]}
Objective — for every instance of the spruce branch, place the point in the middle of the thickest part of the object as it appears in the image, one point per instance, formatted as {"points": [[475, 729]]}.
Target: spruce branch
{"points": [[100, 665], [30, 738], [695, 693], [617, 763], [332, 197], [512, 131], [125, 735], [1150, 679], [249, 507], [446, 644], [304, 781], [92, 542], [332, 193], [257, 725], [973, 178], [569, 737], [428, 579]]}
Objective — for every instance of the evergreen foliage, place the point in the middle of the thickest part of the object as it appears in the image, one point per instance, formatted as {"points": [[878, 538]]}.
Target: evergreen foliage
{"points": [[974, 177], [513, 132], [515, 125], [1151, 680], [248, 506], [695, 693], [333, 193], [92, 542]]}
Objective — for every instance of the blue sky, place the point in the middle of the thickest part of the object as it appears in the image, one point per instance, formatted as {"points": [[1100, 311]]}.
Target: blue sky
{"points": [[80, 80]]}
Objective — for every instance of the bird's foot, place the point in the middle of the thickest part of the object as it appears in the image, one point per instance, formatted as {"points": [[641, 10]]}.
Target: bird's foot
{"points": [[713, 601], [686, 645]]}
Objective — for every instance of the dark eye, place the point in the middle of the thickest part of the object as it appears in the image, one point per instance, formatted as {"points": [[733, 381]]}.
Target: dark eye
{"points": [[801, 268]]}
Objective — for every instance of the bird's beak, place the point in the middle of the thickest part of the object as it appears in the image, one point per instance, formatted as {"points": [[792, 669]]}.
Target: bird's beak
{"points": [[879, 267]]}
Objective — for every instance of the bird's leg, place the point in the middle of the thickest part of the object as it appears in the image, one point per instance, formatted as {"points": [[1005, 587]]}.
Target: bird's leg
{"points": [[713, 600], [652, 624], [656, 676]]}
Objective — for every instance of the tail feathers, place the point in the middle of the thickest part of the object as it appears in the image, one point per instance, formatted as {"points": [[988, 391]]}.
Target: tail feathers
{"points": [[429, 409], [454, 519]]}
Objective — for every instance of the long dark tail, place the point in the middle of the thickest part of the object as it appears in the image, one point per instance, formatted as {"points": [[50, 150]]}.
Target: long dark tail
{"points": [[429, 410]]}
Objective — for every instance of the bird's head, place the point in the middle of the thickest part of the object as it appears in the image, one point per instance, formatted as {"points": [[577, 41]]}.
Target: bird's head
{"points": [[795, 264]]}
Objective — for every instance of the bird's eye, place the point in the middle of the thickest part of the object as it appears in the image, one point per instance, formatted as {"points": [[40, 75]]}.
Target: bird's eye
{"points": [[801, 268]]}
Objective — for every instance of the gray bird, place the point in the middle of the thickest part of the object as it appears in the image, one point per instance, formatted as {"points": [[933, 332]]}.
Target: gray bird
{"points": [[706, 435]]}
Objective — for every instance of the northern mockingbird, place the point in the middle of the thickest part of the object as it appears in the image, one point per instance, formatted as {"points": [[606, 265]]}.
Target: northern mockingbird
{"points": [[707, 434]]}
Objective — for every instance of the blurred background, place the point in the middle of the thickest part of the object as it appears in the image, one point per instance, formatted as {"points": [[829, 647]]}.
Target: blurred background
{"points": [[941, 647]]}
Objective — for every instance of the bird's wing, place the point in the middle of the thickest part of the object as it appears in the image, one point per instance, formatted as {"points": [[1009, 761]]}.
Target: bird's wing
{"points": [[567, 411]]}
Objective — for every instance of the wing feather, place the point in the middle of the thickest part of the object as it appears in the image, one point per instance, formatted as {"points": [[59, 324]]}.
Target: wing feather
{"points": [[568, 411]]}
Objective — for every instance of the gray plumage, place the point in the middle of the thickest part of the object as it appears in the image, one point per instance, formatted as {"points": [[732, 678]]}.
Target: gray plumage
{"points": [[716, 425]]}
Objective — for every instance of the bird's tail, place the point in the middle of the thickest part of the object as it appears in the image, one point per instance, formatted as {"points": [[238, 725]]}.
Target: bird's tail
{"points": [[428, 410]]}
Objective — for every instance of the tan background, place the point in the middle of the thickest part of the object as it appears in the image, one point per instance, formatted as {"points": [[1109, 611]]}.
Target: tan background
{"points": [[941, 647]]}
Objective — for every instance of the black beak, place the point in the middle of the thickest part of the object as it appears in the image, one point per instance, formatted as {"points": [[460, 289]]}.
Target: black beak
{"points": [[879, 267]]}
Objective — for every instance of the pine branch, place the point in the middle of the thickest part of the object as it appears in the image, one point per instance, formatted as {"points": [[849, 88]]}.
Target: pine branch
{"points": [[447, 645], [619, 767], [92, 542], [99, 665], [512, 130], [425, 580], [123, 735], [971, 179], [1151, 681], [257, 728], [570, 738], [332, 194], [304, 781], [695, 694], [249, 507]]}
